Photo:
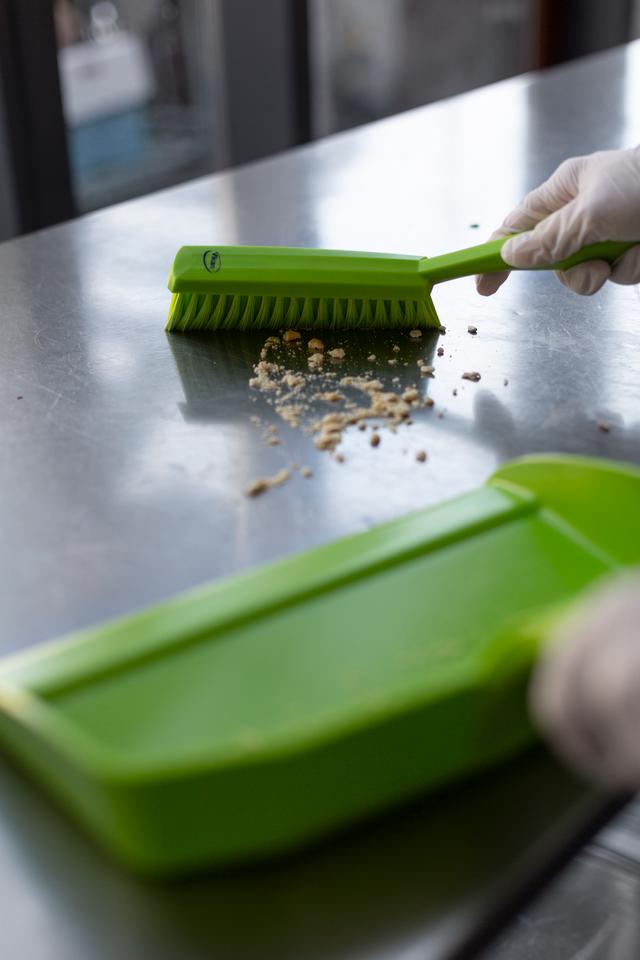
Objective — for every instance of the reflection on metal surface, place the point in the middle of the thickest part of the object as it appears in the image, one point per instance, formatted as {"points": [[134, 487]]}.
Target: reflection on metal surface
{"points": [[589, 913], [399, 189]]}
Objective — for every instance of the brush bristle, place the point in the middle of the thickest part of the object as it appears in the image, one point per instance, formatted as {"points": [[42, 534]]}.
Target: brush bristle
{"points": [[195, 312]]}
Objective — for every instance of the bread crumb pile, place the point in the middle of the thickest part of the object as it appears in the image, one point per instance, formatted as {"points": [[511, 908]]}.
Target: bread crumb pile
{"points": [[303, 383], [325, 404], [359, 402]]}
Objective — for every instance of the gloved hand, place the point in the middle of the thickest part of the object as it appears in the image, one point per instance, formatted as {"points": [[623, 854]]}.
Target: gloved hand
{"points": [[585, 692], [586, 200]]}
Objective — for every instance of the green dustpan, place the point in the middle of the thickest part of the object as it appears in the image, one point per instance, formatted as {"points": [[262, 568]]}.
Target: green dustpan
{"points": [[251, 716]]}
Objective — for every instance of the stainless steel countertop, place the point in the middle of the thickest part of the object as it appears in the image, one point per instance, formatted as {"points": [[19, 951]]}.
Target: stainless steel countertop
{"points": [[123, 464]]}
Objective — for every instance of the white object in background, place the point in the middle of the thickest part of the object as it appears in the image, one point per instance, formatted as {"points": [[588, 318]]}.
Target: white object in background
{"points": [[99, 79], [104, 20]]}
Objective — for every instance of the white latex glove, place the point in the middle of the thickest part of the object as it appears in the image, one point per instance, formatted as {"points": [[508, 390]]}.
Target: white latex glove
{"points": [[586, 200], [585, 692]]}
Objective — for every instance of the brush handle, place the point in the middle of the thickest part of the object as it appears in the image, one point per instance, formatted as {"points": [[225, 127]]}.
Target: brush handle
{"points": [[485, 258]]}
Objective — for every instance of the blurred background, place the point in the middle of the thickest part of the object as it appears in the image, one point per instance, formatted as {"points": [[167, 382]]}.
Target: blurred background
{"points": [[104, 101]]}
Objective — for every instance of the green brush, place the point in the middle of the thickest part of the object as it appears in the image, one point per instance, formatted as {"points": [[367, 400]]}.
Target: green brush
{"points": [[243, 288]]}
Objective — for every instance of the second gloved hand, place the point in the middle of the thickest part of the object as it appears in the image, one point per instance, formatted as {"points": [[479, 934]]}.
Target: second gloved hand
{"points": [[585, 693], [586, 200]]}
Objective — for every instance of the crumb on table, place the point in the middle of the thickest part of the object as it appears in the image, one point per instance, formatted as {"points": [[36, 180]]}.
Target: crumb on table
{"points": [[256, 487]]}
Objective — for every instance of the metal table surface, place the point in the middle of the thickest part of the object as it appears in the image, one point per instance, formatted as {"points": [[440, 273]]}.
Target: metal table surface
{"points": [[124, 456]]}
